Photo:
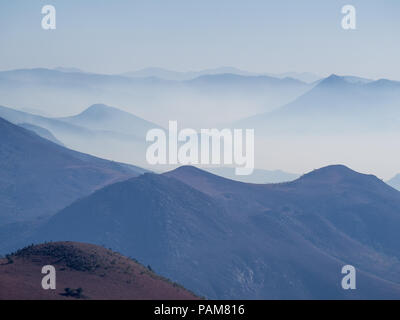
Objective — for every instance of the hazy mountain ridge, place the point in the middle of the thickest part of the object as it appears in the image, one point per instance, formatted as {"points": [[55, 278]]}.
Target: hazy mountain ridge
{"points": [[39, 177], [63, 94], [335, 105], [240, 80], [105, 118], [190, 75], [42, 132], [183, 76], [100, 130], [286, 240]]}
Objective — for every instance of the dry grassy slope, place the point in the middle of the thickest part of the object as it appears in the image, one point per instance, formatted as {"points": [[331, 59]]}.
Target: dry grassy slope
{"points": [[101, 273]]}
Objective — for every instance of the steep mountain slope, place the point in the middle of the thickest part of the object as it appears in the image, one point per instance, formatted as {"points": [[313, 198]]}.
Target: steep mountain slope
{"points": [[362, 206], [154, 218], [99, 272], [227, 239], [44, 133], [335, 105], [59, 129], [101, 131], [38, 177]]}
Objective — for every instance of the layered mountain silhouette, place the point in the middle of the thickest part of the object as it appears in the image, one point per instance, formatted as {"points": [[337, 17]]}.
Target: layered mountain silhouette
{"points": [[335, 105], [232, 240], [240, 81], [218, 237], [250, 88], [100, 117], [83, 271], [220, 92], [39, 177], [44, 133], [182, 76], [58, 129], [307, 77], [190, 75], [100, 130]]}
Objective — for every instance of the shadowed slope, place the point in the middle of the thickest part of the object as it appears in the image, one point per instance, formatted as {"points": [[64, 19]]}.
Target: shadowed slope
{"points": [[38, 177], [227, 239]]}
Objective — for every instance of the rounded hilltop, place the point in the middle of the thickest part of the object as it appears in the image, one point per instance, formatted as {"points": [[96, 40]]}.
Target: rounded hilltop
{"points": [[83, 271]]}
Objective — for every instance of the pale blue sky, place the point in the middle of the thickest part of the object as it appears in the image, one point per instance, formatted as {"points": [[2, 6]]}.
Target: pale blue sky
{"points": [[255, 35]]}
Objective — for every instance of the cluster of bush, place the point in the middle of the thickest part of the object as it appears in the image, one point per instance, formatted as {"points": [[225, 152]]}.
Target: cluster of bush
{"points": [[75, 293]]}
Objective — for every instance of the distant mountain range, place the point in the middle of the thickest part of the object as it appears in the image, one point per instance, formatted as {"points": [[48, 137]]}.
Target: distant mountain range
{"points": [[190, 75], [230, 80], [69, 70], [271, 235], [183, 76], [258, 175], [336, 105], [80, 268], [231, 240], [110, 133], [62, 93], [100, 117], [100, 130], [220, 97], [307, 77], [39, 177]]}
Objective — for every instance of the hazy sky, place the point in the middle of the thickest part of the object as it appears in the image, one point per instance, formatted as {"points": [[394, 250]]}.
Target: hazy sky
{"points": [[259, 35]]}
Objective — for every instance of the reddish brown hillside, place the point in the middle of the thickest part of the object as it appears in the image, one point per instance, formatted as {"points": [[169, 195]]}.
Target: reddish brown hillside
{"points": [[99, 272]]}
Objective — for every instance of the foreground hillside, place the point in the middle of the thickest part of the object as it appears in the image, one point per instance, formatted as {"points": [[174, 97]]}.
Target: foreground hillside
{"points": [[232, 240], [99, 273]]}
